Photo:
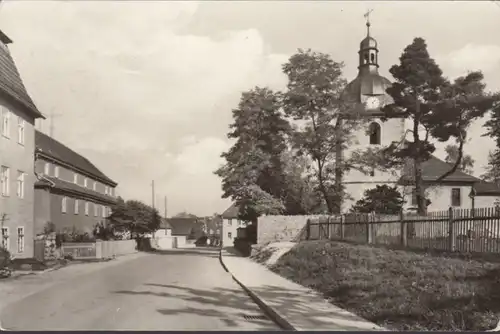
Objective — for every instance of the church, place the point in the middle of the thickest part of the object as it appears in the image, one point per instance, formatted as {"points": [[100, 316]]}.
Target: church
{"points": [[458, 190]]}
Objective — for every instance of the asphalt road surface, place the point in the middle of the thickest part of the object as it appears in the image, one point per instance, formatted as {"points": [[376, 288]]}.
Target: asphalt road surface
{"points": [[173, 290]]}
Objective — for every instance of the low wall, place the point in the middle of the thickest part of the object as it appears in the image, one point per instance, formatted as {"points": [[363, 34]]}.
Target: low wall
{"points": [[98, 249], [281, 228], [166, 242]]}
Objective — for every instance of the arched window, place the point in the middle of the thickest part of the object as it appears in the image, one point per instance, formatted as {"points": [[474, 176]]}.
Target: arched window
{"points": [[372, 56], [374, 131], [366, 58]]}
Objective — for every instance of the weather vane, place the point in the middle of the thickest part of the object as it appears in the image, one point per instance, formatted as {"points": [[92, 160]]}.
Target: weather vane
{"points": [[367, 17]]}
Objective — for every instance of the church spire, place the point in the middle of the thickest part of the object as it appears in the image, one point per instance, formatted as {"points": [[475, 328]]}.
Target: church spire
{"points": [[368, 52]]}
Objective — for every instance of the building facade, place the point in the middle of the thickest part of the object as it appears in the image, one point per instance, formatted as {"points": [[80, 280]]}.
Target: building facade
{"points": [[230, 225], [17, 146], [369, 89], [71, 193]]}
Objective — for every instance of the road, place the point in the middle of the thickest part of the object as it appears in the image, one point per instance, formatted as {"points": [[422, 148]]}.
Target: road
{"points": [[173, 290]]}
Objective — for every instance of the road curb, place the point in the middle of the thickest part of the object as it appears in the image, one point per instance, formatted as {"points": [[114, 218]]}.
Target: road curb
{"points": [[272, 313]]}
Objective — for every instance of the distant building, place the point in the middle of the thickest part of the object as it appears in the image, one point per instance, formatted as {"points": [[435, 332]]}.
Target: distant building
{"points": [[17, 146], [230, 225], [70, 192]]}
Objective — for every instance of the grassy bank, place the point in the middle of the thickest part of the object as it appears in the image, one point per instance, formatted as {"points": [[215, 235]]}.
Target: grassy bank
{"points": [[399, 289]]}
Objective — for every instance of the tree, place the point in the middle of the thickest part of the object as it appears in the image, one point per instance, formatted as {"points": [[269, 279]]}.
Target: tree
{"points": [[415, 93], [134, 216], [315, 96], [492, 173], [253, 173], [185, 214], [452, 155], [461, 103], [381, 199]]}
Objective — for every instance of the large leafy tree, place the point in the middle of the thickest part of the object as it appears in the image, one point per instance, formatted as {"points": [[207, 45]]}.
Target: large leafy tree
{"points": [[381, 199], [452, 155], [134, 216], [253, 173], [315, 97]]}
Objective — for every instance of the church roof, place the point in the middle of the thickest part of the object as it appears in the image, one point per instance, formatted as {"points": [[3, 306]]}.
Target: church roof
{"points": [[11, 84], [368, 84]]}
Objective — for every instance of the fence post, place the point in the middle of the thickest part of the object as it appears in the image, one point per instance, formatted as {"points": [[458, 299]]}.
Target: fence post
{"points": [[308, 229], [404, 229], [342, 227], [368, 229], [328, 226], [451, 238]]}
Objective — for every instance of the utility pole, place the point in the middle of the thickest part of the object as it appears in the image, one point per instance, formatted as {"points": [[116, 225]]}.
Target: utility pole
{"points": [[153, 192], [51, 119], [165, 206]]}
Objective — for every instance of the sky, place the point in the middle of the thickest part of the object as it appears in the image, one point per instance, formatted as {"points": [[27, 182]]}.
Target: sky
{"points": [[145, 89]]}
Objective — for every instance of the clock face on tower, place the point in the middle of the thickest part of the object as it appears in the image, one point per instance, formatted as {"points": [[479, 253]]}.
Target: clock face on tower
{"points": [[372, 102]]}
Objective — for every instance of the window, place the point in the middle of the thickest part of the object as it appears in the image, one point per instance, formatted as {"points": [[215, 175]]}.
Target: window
{"points": [[75, 178], [230, 222], [103, 209], [85, 182], [20, 184], [5, 179], [20, 130], [46, 169], [365, 59], [372, 58], [64, 203], [372, 172], [86, 208], [5, 238], [374, 132], [456, 199], [229, 235], [56, 171], [77, 206], [106, 190], [20, 239], [6, 123], [111, 191], [94, 186], [96, 210]]}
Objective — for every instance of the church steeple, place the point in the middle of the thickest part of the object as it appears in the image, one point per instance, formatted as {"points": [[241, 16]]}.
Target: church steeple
{"points": [[368, 52]]}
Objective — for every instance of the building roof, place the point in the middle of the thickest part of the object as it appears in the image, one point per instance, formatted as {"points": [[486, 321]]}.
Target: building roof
{"points": [[182, 226], [69, 187], [52, 148], [231, 212], [433, 168], [487, 189], [11, 84], [164, 224]]}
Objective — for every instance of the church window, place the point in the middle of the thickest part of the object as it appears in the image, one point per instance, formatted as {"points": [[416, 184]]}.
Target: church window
{"points": [[366, 58], [374, 131], [372, 58]]}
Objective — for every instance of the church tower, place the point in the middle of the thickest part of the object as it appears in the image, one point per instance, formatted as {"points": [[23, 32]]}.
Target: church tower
{"points": [[369, 89]]}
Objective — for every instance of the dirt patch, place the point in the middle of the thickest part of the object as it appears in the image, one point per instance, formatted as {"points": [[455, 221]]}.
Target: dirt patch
{"points": [[398, 289]]}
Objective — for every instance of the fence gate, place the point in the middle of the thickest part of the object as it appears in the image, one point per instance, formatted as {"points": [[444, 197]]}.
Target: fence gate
{"points": [[39, 250]]}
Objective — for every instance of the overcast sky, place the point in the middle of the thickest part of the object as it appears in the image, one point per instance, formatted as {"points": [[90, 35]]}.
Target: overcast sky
{"points": [[145, 89]]}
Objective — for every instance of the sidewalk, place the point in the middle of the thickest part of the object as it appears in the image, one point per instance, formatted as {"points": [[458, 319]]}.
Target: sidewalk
{"points": [[291, 305]]}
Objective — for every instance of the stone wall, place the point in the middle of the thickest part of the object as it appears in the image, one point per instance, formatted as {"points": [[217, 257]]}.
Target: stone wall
{"points": [[282, 228]]}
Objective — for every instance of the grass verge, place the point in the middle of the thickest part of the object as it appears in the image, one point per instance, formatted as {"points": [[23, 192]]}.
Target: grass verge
{"points": [[399, 289]]}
